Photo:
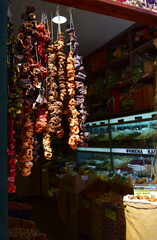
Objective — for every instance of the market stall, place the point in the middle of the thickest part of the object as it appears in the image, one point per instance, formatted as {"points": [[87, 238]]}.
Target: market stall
{"points": [[72, 121]]}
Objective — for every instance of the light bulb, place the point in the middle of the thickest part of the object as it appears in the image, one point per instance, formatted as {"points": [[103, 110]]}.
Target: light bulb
{"points": [[59, 19]]}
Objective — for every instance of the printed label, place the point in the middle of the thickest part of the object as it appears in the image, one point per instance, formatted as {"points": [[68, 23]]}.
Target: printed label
{"points": [[110, 213], [84, 177], [145, 189]]}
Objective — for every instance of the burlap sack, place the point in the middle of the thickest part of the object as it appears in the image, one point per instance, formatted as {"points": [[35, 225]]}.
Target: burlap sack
{"points": [[141, 221]]}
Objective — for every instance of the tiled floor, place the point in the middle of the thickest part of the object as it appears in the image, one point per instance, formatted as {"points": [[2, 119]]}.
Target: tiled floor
{"points": [[44, 213]]}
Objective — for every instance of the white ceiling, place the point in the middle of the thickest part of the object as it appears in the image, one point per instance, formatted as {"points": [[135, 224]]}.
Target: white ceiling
{"points": [[93, 30]]}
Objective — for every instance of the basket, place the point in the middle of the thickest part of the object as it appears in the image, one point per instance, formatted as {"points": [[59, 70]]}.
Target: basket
{"points": [[19, 210]]}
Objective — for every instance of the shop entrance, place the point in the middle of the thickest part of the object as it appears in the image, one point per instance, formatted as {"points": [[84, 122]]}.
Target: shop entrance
{"points": [[103, 7]]}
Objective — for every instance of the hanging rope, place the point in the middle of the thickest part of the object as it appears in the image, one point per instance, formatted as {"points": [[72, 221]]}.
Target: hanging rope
{"points": [[71, 18], [9, 12], [58, 15], [51, 25], [71, 23]]}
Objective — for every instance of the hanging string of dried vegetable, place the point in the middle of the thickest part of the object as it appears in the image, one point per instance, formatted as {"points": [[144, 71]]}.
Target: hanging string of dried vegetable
{"points": [[12, 157], [72, 113], [61, 83], [14, 106], [26, 154], [44, 107], [28, 81], [80, 88]]}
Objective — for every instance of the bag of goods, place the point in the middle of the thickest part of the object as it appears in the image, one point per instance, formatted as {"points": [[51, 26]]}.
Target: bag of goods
{"points": [[140, 221]]}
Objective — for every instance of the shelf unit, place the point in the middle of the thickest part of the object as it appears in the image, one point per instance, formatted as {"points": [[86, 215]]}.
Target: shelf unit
{"points": [[124, 136], [112, 88]]}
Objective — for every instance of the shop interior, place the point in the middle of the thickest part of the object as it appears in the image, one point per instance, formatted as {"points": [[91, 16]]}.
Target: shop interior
{"points": [[73, 189]]}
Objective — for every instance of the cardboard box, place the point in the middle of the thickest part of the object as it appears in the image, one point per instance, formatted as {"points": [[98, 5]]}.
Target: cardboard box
{"points": [[148, 95], [74, 201], [63, 208], [74, 220], [45, 179], [76, 184]]}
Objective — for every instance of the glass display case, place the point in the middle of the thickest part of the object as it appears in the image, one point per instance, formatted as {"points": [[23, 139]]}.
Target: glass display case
{"points": [[136, 165], [126, 143], [140, 134], [97, 160], [99, 134]]}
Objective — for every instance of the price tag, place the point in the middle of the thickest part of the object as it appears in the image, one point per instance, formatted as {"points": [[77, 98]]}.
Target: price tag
{"points": [[84, 177], [110, 212], [145, 189]]}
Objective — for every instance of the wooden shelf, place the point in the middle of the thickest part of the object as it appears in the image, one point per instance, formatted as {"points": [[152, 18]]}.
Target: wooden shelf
{"points": [[120, 62], [112, 8], [97, 72], [147, 46], [125, 114], [146, 79]]}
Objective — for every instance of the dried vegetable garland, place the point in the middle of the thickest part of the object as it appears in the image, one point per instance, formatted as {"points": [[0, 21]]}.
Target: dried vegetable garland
{"points": [[14, 107], [33, 41], [26, 154], [12, 157], [73, 113], [80, 88], [27, 72], [51, 85]]}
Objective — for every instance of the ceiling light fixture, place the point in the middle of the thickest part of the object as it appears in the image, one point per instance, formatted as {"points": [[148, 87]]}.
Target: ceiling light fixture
{"points": [[59, 19]]}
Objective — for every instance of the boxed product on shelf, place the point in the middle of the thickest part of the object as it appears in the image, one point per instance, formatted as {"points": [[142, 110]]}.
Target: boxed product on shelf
{"points": [[140, 35], [77, 183], [148, 95], [127, 102], [137, 96], [97, 61], [118, 49]]}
